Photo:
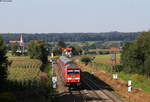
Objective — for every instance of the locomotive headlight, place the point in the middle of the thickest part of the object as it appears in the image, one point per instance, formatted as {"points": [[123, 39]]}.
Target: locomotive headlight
{"points": [[77, 78], [69, 78]]}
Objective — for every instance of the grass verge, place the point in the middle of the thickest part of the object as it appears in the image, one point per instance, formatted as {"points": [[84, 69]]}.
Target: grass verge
{"points": [[137, 80]]}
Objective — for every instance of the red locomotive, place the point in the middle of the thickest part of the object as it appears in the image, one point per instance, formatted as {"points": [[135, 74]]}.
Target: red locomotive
{"points": [[69, 71]]}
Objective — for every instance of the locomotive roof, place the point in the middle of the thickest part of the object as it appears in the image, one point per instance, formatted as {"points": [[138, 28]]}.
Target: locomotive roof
{"points": [[65, 60]]}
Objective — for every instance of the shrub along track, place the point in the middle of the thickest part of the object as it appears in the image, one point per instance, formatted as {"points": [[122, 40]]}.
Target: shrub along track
{"points": [[89, 91]]}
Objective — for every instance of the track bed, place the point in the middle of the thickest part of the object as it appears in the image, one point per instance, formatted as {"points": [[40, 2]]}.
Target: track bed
{"points": [[91, 90]]}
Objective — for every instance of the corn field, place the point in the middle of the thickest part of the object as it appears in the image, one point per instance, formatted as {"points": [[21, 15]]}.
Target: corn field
{"points": [[24, 69], [24, 81]]}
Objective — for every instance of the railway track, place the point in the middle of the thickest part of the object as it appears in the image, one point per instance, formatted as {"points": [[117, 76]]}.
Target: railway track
{"points": [[99, 92], [83, 97], [96, 94], [73, 98], [103, 97], [77, 95], [93, 93]]}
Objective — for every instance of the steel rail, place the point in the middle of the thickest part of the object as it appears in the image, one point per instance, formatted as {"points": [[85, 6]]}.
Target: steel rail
{"points": [[96, 86], [83, 97], [92, 88]]}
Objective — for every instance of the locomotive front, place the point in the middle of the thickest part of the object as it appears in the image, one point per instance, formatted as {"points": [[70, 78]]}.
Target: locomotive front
{"points": [[71, 72]]}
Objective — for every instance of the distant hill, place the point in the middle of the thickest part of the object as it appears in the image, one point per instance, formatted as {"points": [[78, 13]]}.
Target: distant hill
{"points": [[73, 37]]}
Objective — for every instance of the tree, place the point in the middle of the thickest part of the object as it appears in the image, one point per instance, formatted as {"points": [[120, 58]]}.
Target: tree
{"points": [[14, 48], [38, 50], [136, 55], [79, 50], [74, 50], [129, 58], [61, 44], [86, 60], [3, 63], [147, 66], [57, 50]]}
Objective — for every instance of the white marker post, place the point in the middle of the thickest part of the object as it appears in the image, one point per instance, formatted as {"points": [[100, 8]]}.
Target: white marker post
{"points": [[115, 76], [54, 81], [129, 86]]}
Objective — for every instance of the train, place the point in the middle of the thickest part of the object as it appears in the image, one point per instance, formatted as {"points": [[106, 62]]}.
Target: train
{"points": [[69, 71]]}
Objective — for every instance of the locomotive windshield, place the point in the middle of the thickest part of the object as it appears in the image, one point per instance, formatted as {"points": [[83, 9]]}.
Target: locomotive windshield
{"points": [[73, 71]]}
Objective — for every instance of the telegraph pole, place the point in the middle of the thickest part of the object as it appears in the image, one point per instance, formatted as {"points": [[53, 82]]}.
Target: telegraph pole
{"points": [[114, 69]]}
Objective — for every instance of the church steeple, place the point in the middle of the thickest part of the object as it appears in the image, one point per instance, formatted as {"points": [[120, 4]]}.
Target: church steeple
{"points": [[21, 40]]}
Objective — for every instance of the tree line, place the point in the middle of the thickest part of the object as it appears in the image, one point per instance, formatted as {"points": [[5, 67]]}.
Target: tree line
{"points": [[135, 56], [72, 37]]}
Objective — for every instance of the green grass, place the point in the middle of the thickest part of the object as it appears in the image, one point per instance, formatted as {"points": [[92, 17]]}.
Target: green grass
{"points": [[103, 56], [101, 66], [99, 50], [137, 80], [107, 56], [8, 54]]}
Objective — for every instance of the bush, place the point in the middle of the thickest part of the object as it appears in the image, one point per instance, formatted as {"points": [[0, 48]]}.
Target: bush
{"points": [[92, 52], [138, 77], [104, 52], [118, 68], [86, 60]]}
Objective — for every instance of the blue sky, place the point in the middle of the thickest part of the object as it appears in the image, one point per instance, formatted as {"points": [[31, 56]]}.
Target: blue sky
{"points": [[36, 16]]}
